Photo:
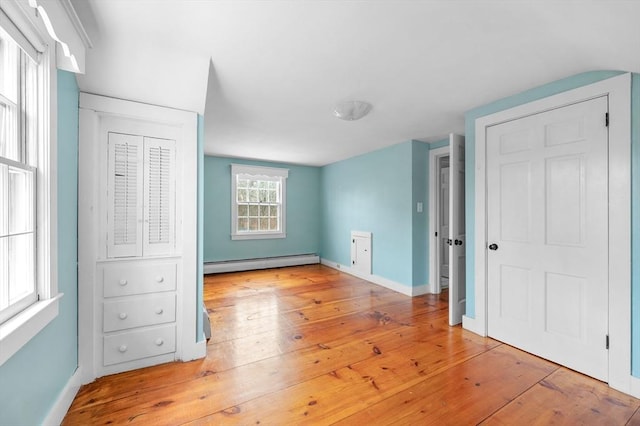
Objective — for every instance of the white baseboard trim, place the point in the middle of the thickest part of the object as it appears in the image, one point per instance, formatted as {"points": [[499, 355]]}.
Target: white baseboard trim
{"points": [[264, 263], [381, 281], [472, 325], [195, 351], [62, 404], [633, 389], [421, 289]]}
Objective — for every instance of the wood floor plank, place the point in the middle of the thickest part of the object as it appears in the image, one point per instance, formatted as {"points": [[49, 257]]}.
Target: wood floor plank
{"points": [[566, 397], [401, 359], [472, 390], [239, 385], [312, 345]]}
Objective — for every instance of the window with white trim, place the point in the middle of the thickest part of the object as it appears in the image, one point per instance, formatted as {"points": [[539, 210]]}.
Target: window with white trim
{"points": [[29, 297], [258, 202], [18, 171]]}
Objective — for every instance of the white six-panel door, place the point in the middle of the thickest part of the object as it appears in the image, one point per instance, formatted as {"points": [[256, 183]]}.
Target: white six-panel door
{"points": [[547, 233]]}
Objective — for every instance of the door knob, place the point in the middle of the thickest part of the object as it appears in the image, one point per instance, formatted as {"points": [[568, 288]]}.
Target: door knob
{"points": [[458, 242], [493, 246]]}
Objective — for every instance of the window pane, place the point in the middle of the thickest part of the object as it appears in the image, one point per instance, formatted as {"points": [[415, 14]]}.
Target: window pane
{"points": [[20, 200], [242, 183], [253, 195], [4, 273], [264, 224], [253, 224], [243, 210], [9, 53], [242, 196], [4, 204], [253, 210], [273, 196], [9, 142], [274, 211], [30, 109], [21, 267], [273, 224], [243, 224], [264, 211]]}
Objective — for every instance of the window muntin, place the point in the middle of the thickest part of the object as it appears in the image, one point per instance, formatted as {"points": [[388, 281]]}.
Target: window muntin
{"points": [[18, 161], [258, 202]]}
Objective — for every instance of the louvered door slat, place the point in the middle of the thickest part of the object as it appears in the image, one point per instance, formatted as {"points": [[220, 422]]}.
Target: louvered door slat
{"points": [[159, 196], [124, 195]]}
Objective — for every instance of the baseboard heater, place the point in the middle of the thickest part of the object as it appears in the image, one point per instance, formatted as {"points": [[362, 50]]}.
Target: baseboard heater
{"points": [[262, 263]]}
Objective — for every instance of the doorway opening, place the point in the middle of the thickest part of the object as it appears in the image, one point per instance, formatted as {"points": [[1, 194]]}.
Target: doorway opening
{"points": [[439, 219]]}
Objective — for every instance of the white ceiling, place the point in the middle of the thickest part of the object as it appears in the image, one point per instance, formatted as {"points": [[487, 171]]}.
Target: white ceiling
{"points": [[267, 74]]}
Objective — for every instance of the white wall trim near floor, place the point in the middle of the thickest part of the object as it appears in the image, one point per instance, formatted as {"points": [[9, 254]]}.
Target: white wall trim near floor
{"points": [[263, 263], [62, 404], [634, 386], [381, 281]]}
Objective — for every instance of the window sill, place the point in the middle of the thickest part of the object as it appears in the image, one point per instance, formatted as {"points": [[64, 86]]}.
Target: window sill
{"points": [[17, 331], [258, 236]]}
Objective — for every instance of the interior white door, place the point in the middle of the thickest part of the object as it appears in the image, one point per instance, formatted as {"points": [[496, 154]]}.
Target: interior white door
{"points": [[547, 189], [457, 266], [443, 217]]}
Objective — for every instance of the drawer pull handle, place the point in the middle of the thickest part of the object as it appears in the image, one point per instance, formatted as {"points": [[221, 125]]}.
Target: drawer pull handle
{"points": [[159, 311], [159, 279], [123, 315], [123, 282], [122, 348], [159, 342]]}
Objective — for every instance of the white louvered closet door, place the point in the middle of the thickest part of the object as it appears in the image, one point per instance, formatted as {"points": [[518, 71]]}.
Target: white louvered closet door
{"points": [[124, 195], [159, 197]]}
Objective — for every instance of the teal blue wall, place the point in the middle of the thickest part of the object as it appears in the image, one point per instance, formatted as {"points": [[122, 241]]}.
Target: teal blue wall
{"points": [[32, 379], [420, 194], [439, 144], [538, 93], [200, 251], [303, 213], [373, 193]]}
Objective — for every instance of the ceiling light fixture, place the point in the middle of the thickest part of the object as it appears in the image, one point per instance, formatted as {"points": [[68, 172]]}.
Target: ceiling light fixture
{"points": [[352, 110]]}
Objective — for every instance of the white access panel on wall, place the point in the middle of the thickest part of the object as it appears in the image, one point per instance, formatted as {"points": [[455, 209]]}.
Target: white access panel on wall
{"points": [[361, 251]]}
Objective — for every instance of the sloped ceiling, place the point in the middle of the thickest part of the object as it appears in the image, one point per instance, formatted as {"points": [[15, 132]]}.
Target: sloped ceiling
{"points": [[267, 74]]}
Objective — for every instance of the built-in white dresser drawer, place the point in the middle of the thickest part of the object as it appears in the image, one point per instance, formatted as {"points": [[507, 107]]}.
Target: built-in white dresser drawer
{"points": [[138, 311], [138, 344], [128, 279]]}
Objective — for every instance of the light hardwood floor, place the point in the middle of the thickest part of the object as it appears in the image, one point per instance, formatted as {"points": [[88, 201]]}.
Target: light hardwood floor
{"points": [[311, 345]]}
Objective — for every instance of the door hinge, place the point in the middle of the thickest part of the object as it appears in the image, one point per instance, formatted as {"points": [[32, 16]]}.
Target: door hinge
{"points": [[607, 340], [606, 119]]}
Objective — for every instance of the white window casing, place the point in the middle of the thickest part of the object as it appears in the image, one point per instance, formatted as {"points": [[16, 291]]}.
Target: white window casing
{"points": [[266, 212], [23, 29]]}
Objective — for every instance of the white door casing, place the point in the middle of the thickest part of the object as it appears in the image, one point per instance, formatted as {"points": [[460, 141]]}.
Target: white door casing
{"points": [[547, 234], [436, 239], [443, 219], [619, 212], [457, 249]]}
